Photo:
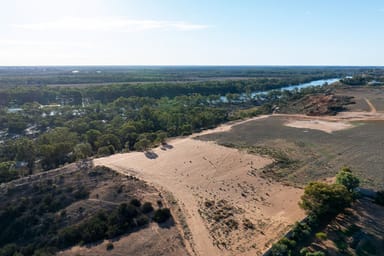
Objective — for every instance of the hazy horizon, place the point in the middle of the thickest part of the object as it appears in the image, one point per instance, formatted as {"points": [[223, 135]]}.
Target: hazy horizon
{"points": [[191, 33], [190, 65]]}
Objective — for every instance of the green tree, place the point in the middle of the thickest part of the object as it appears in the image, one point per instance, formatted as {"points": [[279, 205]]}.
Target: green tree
{"points": [[26, 151], [128, 134], [161, 137], [321, 236], [107, 140], [142, 144], [82, 150], [345, 177], [7, 171], [105, 151], [162, 215], [321, 199], [91, 136]]}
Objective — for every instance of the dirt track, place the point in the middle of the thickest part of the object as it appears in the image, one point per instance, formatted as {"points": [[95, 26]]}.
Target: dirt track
{"points": [[373, 109]]}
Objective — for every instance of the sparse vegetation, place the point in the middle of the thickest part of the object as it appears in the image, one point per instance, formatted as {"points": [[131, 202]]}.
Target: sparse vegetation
{"points": [[54, 212]]}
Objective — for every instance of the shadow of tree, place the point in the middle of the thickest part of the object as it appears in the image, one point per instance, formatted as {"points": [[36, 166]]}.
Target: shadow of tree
{"points": [[151, 155], [166, 146], [167, 224]]}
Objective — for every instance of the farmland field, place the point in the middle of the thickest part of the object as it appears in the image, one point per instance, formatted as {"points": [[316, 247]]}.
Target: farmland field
{"points": [[315, 154], [319, 154]]}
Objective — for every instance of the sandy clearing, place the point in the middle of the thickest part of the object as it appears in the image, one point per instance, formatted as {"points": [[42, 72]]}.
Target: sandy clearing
{"points": [[195, 171], [325, 126], [330, 124]]}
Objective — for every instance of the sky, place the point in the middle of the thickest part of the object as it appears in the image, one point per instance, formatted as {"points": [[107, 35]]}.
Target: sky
{"points": [[191, 32]]}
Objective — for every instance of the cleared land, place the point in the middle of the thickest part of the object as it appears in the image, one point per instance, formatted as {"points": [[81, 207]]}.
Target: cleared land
{"points": [[316, 154], [228, 207], [374, 94], [316, 147], [325, 126]]}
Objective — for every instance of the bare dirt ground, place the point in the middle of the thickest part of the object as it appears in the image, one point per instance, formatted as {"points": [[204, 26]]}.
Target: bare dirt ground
{"points": [[339, 122], [147, 242], [325, 126], [360, 94], [229, 208]]}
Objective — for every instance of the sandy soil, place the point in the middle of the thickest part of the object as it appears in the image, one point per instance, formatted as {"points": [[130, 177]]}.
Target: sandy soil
{"points": [[339, 122], [196, 172], [325, 126], [155, 240]]}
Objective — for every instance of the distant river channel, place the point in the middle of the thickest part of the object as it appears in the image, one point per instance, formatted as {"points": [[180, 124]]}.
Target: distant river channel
{"points": [[289, 88]]}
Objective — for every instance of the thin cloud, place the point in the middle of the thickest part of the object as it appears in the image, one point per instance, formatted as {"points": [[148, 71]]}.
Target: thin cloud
{"points": [[13, 42], [110, 24]]}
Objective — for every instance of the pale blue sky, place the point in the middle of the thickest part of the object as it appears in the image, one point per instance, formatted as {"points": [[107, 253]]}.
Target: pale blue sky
{"points": [[191, 32]]}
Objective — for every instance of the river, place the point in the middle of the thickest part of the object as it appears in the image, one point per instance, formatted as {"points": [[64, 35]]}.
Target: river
{"points": [[320, 82]]}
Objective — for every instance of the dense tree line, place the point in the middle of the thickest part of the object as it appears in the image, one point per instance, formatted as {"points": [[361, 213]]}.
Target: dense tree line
{"points": [[73, 133], [41, 76], [18, 96]]}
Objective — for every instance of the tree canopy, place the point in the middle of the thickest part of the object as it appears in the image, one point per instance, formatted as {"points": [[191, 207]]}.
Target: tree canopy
{"points": [[321, 199], [348, 179]]}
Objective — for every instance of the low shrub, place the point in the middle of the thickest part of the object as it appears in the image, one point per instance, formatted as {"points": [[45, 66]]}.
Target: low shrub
{"points": [[162, 215], [109, 246], [147, 207]]}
